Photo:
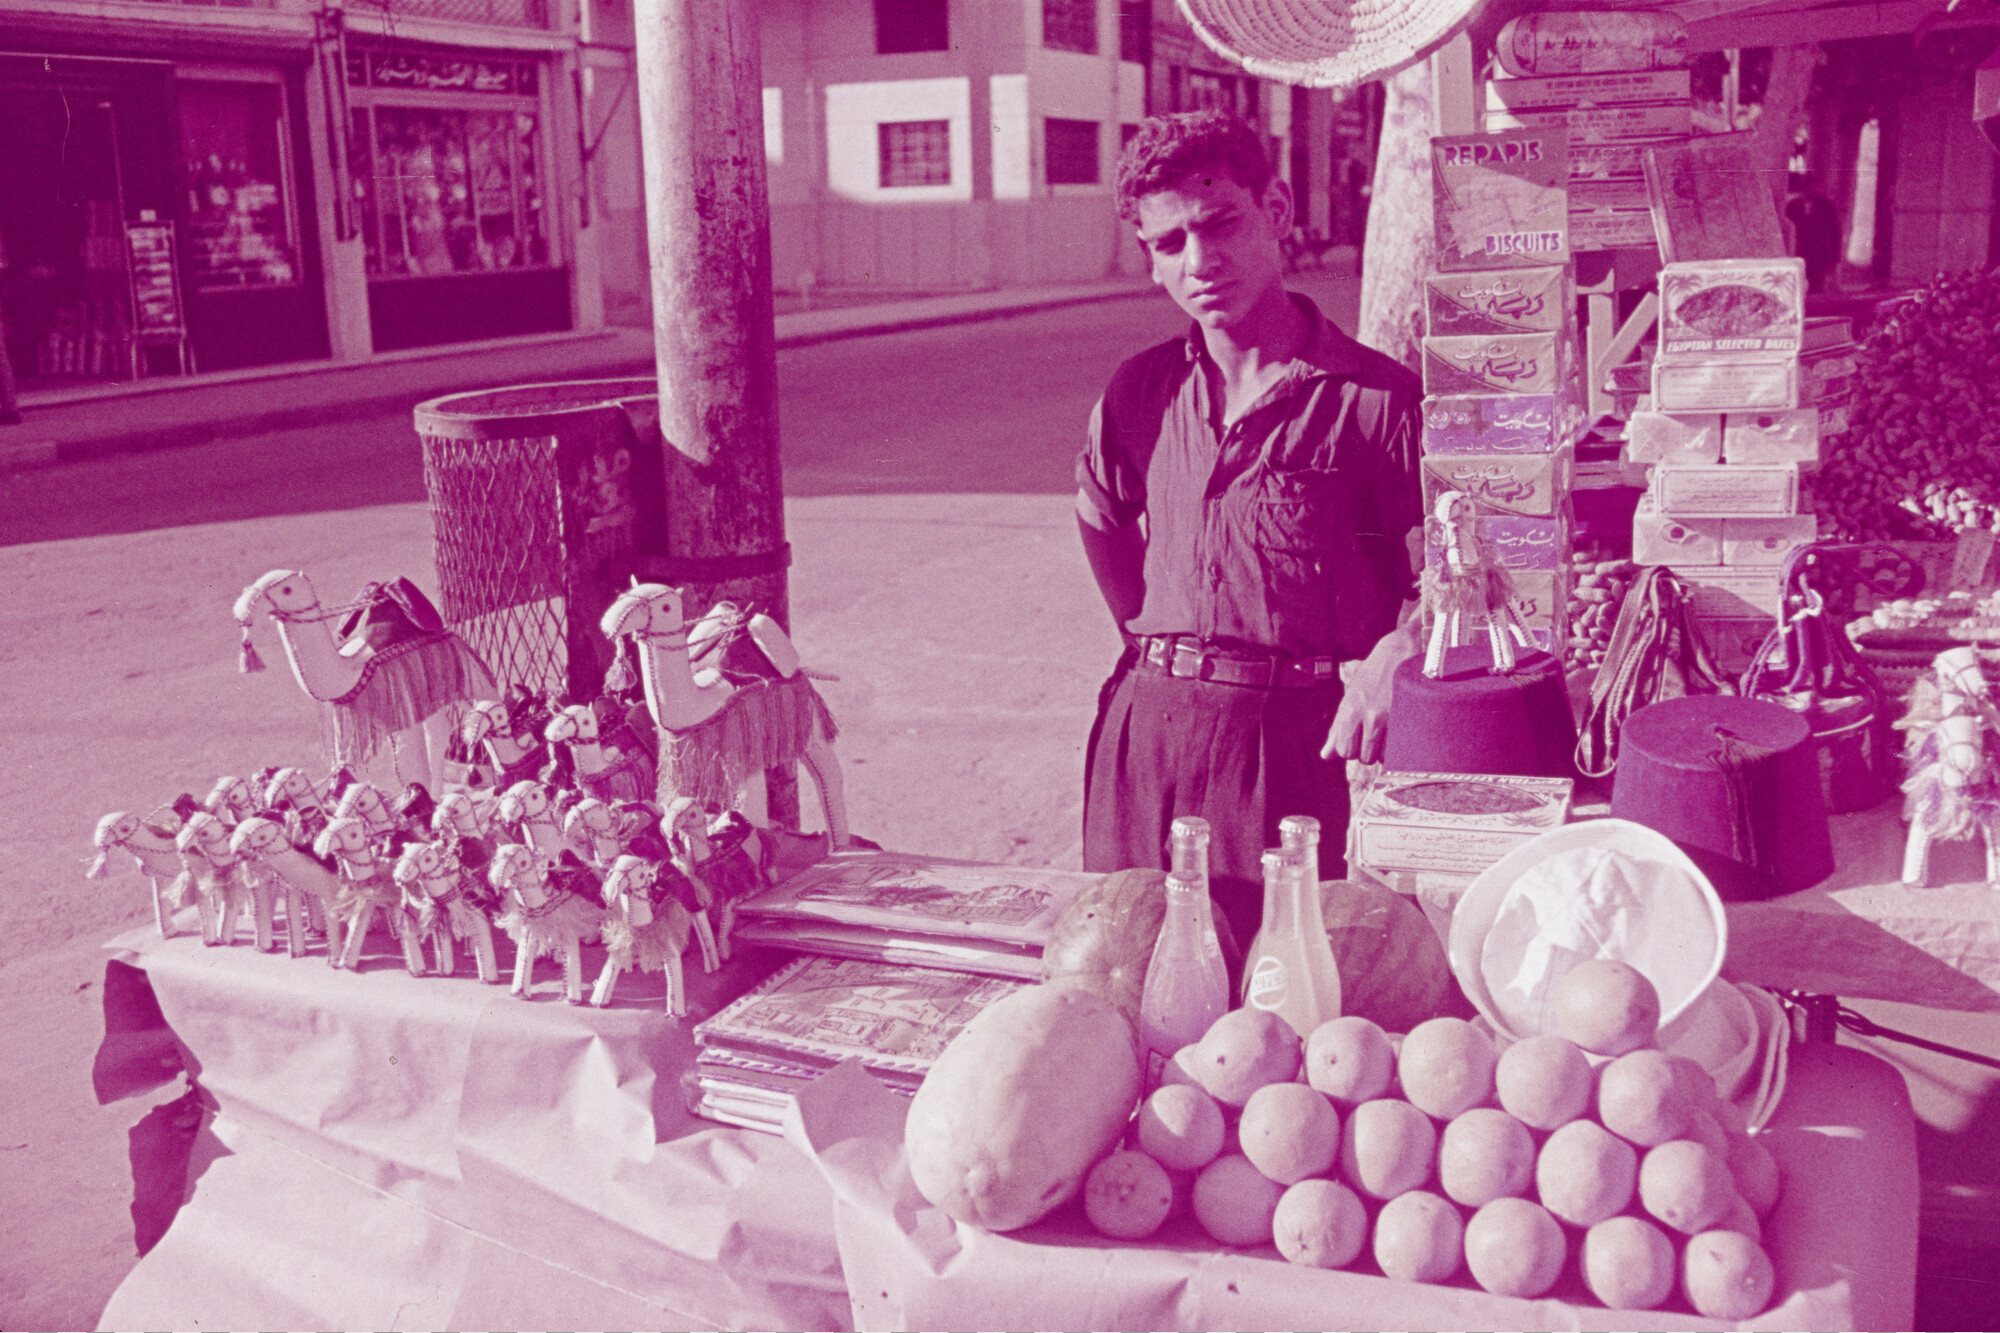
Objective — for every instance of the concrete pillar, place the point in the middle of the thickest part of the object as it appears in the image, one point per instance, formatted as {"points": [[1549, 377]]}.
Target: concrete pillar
{"points": [[701, 114]]}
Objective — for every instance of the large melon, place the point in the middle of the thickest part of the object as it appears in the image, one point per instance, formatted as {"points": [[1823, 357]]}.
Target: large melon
{"points": [[1393, 970], [1392, 967], [1013, 1114]]}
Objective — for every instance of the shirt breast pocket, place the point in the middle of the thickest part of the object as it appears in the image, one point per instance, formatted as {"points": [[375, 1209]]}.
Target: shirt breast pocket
{"points": [[1293, 514]]}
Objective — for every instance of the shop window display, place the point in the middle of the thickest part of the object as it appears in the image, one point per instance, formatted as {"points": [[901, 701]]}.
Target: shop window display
{"points": [[241, 223], [448, 186]]}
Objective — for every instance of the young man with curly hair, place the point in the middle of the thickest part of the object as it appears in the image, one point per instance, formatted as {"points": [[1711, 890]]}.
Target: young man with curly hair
{"points": [[1250, 505]]}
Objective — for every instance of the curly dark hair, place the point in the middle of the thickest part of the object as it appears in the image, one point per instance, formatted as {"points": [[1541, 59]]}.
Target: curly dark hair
{"points": [[1168, 148]]}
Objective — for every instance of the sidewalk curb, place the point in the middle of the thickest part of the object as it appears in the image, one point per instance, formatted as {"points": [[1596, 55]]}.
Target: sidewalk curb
{"points": [[27, 455]]}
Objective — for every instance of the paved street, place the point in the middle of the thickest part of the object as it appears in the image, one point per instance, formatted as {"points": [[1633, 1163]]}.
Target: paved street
{"points": [[937, 574]]}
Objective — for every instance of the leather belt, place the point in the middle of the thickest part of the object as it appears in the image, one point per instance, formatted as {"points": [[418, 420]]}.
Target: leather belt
{"points": [[1190, 659]]}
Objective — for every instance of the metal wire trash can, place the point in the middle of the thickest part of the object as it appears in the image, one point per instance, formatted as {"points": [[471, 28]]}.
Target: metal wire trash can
{"points": [[541, 498]]}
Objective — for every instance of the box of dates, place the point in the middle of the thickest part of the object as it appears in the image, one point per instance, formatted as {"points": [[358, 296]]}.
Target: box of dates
{"points": [[1453, 823], [1729, 307]]}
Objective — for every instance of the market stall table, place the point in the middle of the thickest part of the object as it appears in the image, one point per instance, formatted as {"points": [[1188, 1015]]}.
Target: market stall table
{"points": [[395, 1151]]}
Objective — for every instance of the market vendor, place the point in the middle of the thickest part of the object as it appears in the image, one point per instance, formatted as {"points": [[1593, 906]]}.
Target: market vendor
{"points": [[1250, 504]]}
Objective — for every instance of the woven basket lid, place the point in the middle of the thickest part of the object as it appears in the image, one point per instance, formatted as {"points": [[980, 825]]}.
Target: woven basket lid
{"points": [[1325, 43]]}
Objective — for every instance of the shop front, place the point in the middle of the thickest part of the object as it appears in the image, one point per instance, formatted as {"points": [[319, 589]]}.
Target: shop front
{"points": [[450, 159], [153, 219]]}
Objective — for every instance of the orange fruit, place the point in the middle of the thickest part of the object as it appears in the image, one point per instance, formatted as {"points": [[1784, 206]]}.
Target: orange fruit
{"points": [[1544, 1082], [1606, 1007], [1446, 1067]]}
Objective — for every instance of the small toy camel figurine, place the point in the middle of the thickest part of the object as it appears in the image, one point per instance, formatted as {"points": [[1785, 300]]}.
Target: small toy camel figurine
{"points": [[1953, 749], [528, 809], [463, 824], [291, 791], [643, 929], [690, 853], [542, 920], [231, 801], [365, 802], [592, 828], [715, 734], [151, 846], [217, 878], [393, 673], [611, 772], [366, 886], [312, 892], [487, 725], [435, 897], [1466, 588]]}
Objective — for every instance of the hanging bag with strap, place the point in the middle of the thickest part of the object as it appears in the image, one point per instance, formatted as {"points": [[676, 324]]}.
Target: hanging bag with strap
{"points": [[1808, 665], [1655, 653]]}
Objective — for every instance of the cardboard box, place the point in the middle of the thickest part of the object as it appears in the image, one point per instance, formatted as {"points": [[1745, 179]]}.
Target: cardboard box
{"points": [[1536, 485], [1622, 159], [1508, 300], [1661, 539], [1500, 423], [1711, 200], [1771, 437], [1599, 124], [1451, 823], [1764, 490], [1733, 641], [1766, 541], [1826, 332], [1624, 88], [1659, 437], [1514, 541], [1500, 199], [1729, 308], [1494, 363], [1767, 384], [1725, 593]]}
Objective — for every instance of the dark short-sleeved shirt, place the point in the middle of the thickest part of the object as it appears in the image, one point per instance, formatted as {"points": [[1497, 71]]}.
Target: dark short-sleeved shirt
{"points": [[1287, 532]]}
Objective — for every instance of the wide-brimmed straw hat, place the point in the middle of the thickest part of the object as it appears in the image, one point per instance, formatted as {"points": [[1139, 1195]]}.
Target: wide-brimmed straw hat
{"points": [[1325, 43]]}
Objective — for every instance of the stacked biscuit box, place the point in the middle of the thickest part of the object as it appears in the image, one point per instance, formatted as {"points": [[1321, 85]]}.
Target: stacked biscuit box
{"points": [[1744, 389], [1502, 374], [1610, 119]]}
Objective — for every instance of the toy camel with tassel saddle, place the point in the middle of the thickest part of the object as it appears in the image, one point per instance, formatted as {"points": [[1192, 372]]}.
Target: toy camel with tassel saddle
{"points": [[718, 731], [391, 673], [1953, 738], [1467, 588]]}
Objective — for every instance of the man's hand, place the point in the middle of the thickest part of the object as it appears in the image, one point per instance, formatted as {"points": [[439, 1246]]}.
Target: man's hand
{"points": [[1361, 723]]}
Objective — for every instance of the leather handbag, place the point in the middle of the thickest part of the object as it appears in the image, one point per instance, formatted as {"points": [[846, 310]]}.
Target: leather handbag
{"points": [[1808, 665], [1655, 653]]}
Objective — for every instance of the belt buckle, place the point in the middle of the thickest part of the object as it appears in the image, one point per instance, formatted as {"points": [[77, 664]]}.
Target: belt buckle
{"points": [[1195, 657], [1158, 650]]}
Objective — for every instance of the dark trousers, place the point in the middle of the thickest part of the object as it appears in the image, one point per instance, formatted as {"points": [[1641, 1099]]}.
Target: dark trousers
{"points": [[1241, 758]]}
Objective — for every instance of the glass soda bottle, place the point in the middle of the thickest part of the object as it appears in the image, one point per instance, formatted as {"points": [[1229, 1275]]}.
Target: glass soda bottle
{"points": [[1187, 983], [1290, 966]]}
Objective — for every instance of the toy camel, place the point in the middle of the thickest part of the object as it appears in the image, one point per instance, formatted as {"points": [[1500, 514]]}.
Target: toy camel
{"points": [[231, 801], [392, 674], [528, 809], [1467, 587], [311, 890], [620, 772], [292, 792], [151, 847], [219, 881], [541, 919], [715, 734], [488, 725], [591, 829], [366, 885], [642, 930], [1954, 756], [364, 801], [435, 897]]}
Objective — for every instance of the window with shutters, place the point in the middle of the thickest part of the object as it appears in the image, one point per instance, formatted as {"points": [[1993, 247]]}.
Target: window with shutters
{"points": [[1070, 25], [902, 26], [915, 152], [1070, 149]]}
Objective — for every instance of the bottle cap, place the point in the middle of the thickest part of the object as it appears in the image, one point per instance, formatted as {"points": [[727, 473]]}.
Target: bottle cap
{"points": [[1190, 826]]}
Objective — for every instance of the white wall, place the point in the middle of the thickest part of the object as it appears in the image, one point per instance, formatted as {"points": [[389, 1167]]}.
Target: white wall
{"points": [[853, 152]]}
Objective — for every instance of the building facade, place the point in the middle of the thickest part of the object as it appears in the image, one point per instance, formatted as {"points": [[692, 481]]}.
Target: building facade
{"points": [[189, 187]]}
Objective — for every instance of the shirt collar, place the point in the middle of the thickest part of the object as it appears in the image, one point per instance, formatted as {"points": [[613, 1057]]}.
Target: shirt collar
{"points": [[1328, 351]]}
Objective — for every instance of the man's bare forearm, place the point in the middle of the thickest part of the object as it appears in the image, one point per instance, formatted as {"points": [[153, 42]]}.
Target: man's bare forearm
{"points": [[1118, 562]]}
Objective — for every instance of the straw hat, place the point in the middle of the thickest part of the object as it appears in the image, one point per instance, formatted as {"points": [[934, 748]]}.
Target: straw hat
{"points": [[1325, 43]]}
